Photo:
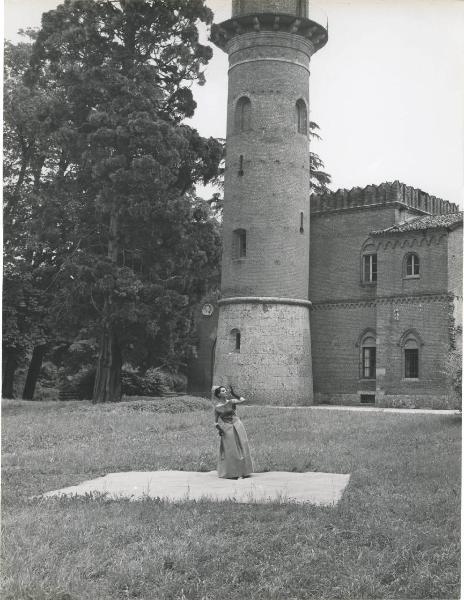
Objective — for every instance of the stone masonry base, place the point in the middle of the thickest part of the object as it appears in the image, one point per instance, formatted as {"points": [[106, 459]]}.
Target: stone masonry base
{"points": [[273, 364]]}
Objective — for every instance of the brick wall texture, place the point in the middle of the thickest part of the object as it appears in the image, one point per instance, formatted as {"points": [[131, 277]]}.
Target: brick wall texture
{"points": [[297, 250], [268, 198], [242, 7], [426, 306]]}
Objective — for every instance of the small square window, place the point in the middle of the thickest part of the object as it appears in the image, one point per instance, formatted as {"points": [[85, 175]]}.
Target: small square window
{"points": [[367, 399]]}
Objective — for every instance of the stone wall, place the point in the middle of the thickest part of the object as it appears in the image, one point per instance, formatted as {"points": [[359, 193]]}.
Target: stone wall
{"points": [[427, 319], [431, 249], [335, 330], [273, 365], [337, 241]]}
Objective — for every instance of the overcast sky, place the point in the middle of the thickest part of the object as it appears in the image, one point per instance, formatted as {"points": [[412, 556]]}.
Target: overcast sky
{"points": [[387, 90]]}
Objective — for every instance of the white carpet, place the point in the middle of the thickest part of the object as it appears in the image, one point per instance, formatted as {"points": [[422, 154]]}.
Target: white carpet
{"points": [[323, 489]]}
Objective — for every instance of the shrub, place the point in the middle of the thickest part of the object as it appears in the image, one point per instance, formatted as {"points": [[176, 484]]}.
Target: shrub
{"points": [[171, 405], [452, 368], [155, 382], [49, 375], [82, 383]]}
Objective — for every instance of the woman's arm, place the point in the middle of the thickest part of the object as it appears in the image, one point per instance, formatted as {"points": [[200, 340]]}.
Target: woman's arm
{"points": [[235, 398], [238, 400], [216, 423]]}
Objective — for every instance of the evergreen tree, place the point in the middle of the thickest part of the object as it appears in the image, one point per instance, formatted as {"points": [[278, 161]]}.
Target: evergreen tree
{"points": [[139, 245], [320, 180]]}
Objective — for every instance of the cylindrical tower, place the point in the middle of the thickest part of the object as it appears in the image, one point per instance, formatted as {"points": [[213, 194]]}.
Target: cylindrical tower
{"points": [[263, 341]]}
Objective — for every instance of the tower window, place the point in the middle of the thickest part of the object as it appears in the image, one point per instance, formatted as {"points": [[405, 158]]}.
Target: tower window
{"points": [[411, 265], [370, 268], [240, 168], [302, 117], [301, 8], [239, 244], [235, 340], [243, 114]]}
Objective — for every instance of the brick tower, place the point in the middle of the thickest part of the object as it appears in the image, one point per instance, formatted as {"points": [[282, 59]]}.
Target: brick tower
{"points": [[263, 342]]}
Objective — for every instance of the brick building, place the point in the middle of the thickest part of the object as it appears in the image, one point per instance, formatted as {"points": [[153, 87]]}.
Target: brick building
{"points": [[385, 284], [352, 297], [386, 291]]}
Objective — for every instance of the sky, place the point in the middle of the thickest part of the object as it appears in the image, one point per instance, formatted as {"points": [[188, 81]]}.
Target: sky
{"points": [[387, 90]]}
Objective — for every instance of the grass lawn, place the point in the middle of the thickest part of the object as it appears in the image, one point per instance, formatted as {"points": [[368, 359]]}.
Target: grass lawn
{"points": [[394, 535]]}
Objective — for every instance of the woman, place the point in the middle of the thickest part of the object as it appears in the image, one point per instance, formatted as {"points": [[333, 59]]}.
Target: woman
{"points": [[234, 459]]}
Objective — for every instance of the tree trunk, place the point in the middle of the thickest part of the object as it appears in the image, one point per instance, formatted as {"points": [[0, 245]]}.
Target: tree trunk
{"points": [[11, 364], [108, 386], [108, 377], [33, 372]]}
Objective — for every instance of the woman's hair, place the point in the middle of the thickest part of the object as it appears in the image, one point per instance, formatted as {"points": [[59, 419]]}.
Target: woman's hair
{"points": [[218, 390]]}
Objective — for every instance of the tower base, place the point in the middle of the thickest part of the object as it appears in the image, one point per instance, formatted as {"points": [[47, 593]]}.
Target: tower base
{"points": [[263, 350]]}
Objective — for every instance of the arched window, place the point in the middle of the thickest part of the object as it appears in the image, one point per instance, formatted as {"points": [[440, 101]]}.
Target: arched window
{"points": [[302, 117], [368, 352], [243, 114], [410, 344], [235, 340], [411, 360], [369, 268], [239, 244], [369, 262], [411, 265]]}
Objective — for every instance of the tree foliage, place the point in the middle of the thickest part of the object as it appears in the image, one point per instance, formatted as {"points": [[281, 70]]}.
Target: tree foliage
{"points": [[320, 179], [134, 248]]}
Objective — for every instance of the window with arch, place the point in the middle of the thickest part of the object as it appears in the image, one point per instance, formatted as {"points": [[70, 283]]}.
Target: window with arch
{"points": [[369, 266], [410, 344], [235, 340], [411, 265], [301, 8], [239, 244], [368, 354], [302, 116], [243, 114]]}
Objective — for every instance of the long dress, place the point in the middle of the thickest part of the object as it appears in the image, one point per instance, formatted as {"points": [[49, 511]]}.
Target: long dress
{"points": [[234, 458]]}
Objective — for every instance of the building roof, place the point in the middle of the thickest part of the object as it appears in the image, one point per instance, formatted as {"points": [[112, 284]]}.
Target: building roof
{"points": [[373, 196], [448, 221]]}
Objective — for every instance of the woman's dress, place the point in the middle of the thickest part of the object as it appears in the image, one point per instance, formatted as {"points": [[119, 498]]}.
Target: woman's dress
{"points": [[234, 454]]}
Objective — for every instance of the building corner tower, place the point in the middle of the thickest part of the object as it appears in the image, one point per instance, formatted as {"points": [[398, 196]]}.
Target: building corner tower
{"points": [[263, 341]]}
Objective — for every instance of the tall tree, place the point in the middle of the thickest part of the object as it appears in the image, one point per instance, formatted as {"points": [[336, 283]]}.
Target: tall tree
{"points": [[31, 120], [123, 69], [320, 179]]}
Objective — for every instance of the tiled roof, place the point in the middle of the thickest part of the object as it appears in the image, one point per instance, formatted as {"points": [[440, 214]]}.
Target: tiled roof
{"points": [[421, 223]]}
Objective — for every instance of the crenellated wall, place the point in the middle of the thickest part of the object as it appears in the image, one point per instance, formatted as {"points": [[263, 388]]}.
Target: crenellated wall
{"points": [[383, 194]]}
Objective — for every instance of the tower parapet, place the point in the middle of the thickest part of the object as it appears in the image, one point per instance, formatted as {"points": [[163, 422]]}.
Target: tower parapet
{"points": [[385, 194]]}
